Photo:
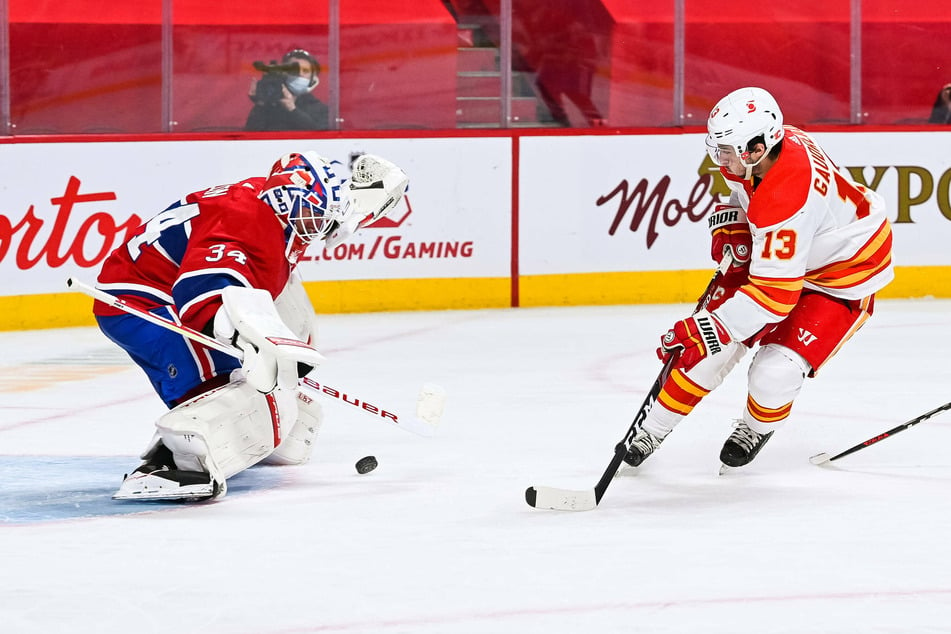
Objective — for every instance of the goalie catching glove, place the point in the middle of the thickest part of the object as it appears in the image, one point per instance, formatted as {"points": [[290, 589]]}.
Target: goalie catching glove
{"points": [[374, 189], [697, 337], [273, 355]]}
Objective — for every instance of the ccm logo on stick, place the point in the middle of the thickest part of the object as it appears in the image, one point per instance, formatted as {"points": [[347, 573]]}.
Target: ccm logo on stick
{"points": [[337, 394]]}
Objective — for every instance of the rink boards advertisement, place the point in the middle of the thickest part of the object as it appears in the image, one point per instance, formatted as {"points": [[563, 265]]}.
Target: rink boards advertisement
{"points": [[622, 219], [71, 204], [584, 219]]}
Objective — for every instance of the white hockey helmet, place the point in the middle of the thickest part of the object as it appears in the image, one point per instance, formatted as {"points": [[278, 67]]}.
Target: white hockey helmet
{"points": [[740, 117], [304, 191]]}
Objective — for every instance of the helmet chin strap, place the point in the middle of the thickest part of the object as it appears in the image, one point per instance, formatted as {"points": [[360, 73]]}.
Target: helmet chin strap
{"points": [[749, 166], [295, 248]]}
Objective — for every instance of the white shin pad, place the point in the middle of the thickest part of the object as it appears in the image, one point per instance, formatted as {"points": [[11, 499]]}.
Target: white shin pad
{"points": [[776, 376]]}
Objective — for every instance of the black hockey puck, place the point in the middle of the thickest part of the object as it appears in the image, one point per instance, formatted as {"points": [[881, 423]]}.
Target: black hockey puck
{"points": [[367, 464]]}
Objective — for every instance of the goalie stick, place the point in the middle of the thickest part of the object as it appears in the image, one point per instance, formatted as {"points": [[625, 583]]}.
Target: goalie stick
{"points": [[824, 458], [588, 499], [429, 403]]}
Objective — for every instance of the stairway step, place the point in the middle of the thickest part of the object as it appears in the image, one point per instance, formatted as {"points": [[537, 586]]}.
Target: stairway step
{"points": [[489, 110], [477, 59], [482, 84], [466, 37], [489, 84]]}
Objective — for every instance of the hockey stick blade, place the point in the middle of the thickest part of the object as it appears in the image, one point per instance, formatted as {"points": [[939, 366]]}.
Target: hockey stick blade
{"points": [[820, 459], [561, 499]]}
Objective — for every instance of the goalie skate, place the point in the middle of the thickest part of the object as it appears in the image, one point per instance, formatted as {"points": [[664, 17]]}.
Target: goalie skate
{"points": [[159, 479], [161, 483]]}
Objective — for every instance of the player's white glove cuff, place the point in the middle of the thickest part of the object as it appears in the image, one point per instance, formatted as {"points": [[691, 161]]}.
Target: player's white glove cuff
{"points": [[224, 330]]}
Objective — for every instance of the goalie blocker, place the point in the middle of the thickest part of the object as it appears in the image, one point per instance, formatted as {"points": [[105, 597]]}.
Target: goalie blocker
{"points": [[259, 415]]}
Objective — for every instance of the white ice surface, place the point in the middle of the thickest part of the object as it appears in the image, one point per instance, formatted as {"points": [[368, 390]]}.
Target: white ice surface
{"points": [[439, 538]]}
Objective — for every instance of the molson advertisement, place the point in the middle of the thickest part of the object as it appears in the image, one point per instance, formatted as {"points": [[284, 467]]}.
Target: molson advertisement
{"points": [[622, 219]]}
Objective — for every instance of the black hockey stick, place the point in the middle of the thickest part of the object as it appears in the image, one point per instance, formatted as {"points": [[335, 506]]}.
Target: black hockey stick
{"points": [[588, 499], [824, 458]]}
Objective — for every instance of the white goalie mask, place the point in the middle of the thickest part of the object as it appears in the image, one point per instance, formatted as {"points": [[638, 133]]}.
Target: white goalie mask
{"points": [[740, 117]]}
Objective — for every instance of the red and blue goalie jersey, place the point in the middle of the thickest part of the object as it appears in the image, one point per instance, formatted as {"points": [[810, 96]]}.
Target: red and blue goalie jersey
{"points": [[185, 255]]}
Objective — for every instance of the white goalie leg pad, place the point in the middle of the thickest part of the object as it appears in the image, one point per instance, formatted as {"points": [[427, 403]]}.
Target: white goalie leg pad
{"points": [[226, 430], [298, 445], [775, 378], [296, 310], [272, 351]]}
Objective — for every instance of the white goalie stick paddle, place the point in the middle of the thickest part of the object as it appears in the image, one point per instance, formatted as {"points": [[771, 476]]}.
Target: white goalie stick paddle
{"points": [[824, 458], [588, 499], [430, 401]]}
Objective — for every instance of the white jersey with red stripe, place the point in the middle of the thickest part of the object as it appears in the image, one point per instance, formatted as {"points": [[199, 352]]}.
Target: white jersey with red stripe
{"points": [[812, 228]]}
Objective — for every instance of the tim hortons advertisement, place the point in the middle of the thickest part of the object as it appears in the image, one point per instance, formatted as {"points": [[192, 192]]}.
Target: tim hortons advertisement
{"points": [[65, 207], [640, 203]]}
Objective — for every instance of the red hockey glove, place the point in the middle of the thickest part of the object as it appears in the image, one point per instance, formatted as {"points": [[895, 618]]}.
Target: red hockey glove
{"points": [[696, 337], [730, 232]]}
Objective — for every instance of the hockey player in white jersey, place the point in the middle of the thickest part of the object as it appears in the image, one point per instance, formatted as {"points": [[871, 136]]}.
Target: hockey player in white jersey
{"points": [[809, 247]]}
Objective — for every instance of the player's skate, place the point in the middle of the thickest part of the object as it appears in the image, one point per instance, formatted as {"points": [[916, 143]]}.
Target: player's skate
{"points": [[742, 445], [158, 479], [643, 445]]}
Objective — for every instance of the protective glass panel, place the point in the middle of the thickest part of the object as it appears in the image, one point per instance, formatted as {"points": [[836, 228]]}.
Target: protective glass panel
{"points": [[562, 62], [397, 65], [85, 66], [232, 69], [798, 50], [905, 62], [479, 63]]}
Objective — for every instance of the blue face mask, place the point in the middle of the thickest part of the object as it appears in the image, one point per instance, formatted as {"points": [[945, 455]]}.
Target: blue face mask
{"points": [[298, 85]]}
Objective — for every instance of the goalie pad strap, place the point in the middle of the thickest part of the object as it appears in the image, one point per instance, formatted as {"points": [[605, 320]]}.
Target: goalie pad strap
{"points": [[298, 444]]}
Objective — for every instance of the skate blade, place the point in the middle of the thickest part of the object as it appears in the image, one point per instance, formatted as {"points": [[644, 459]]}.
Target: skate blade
{"points": [[626, 471], [158, 496], [725, 469], [151, 488]]}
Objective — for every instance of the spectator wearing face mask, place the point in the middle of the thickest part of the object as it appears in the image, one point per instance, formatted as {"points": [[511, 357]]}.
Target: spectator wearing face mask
{"points": [[282, 96]]}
